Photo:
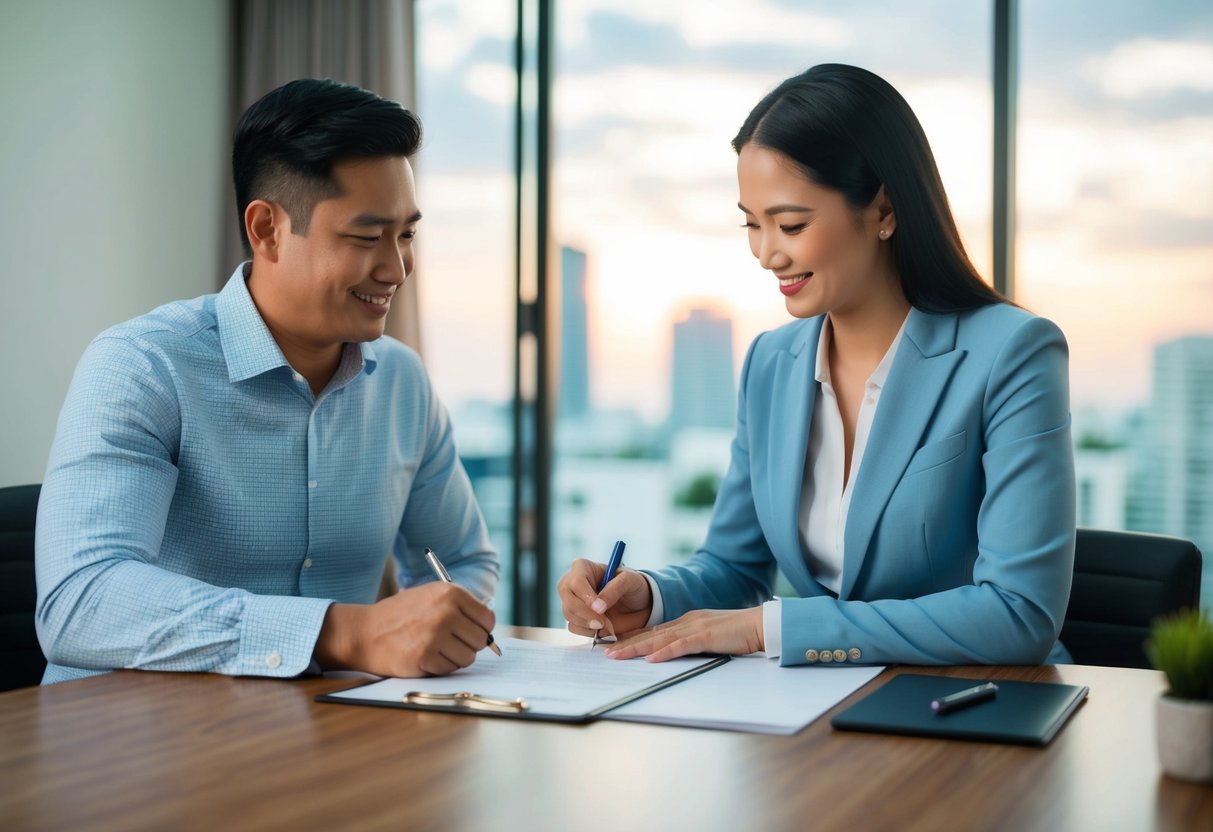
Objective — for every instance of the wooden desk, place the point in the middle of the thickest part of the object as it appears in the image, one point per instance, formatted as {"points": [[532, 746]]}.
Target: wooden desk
{"points": [[133, 750]]}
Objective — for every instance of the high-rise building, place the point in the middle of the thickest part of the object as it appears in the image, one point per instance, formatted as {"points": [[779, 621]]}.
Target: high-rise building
{"points": [[1101, 476], [1104, 454], [484, 437], [574, 393], [1177, 497], [702, 377]]}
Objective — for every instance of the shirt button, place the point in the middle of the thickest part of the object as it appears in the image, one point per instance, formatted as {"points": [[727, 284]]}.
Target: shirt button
{"points": [[810, 655], [827, 656], [311, 483], [273, 660], [840, 655], [307, 563], [870, 400], [855, 654]]}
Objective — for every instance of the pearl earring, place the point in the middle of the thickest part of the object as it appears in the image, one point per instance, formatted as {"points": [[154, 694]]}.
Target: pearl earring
{"points": [[884, 234]]}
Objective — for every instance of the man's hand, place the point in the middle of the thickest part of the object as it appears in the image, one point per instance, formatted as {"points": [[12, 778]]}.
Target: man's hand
{"points": [[429, 630]]}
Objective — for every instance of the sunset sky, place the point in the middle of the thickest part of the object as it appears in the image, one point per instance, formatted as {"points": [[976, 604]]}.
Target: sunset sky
{"points": [[1115, 170]]}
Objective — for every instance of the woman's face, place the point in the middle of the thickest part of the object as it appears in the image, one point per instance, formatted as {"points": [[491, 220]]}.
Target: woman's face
{"points": [[826, 256]]}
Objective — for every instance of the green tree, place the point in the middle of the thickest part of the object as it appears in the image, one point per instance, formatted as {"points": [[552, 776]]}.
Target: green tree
{"points": [[700, 492]]}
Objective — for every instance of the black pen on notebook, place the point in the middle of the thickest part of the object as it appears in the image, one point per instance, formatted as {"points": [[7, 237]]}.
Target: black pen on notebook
{"points": [[441, 572], [964, 699]]}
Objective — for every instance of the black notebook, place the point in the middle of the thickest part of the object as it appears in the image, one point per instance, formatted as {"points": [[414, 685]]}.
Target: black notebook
{"points": [[1030, 713]]}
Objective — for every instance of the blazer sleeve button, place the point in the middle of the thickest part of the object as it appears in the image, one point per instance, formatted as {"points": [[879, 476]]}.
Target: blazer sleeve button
{"points": [[840, 655], [855, 654], [827, 656], [810, 655]]}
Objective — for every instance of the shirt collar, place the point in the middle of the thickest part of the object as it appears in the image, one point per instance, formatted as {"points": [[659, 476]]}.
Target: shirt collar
{"points": [[822, 370], [250, 350]]}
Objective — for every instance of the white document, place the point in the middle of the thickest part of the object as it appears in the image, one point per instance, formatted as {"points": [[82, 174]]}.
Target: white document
{"points": [[749, 693], [555, 680]]}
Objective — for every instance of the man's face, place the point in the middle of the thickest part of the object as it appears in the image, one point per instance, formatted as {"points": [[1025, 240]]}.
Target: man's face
{"points": [[336, 283]]}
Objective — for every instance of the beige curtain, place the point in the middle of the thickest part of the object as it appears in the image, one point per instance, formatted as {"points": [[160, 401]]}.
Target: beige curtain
{"points": [[368, 43]]}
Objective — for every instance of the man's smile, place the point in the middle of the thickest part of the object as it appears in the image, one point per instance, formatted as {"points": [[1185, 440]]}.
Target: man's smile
{"points": [[378, 300]]}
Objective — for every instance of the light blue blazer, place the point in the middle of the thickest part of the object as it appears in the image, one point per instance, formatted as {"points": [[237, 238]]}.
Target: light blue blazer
{"points": [[959, 542]]}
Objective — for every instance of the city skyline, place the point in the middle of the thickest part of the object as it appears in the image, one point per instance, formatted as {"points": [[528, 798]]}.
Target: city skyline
{"points": [[1113, 170], [1152, 473], [703, 394]]}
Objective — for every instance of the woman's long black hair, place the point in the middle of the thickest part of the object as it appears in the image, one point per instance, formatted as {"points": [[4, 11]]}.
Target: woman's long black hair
{"points": [[850, 131]]}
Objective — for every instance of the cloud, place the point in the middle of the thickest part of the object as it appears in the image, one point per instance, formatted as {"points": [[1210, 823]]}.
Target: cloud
{"points": [[452, 30], [1148, 67], [662, 97], [496, 83], [1113, 198], [1074, 161], [718, 25], [955, 113]]}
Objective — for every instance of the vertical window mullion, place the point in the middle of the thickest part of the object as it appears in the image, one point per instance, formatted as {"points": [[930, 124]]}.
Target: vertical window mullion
{"points": [[1006, 84]]}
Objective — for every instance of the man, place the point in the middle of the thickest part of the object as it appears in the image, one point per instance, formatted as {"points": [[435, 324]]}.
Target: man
{"points": [[229, 472]]}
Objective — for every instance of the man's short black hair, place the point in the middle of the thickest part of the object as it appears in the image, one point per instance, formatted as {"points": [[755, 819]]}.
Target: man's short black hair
{"points": [[286, 143]]}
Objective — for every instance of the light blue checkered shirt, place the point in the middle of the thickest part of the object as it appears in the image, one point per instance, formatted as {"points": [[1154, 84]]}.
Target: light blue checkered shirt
{"points": [[201, 509]]}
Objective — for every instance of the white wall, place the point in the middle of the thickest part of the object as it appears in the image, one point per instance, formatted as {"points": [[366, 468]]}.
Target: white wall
{"points": [[114, 181]]}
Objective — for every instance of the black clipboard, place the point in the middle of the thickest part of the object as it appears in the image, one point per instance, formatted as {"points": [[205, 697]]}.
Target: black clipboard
{"points": [[1024, 713], [460, 700]]}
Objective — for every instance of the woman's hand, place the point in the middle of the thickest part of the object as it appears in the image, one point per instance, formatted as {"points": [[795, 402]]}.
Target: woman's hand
{"points": [[732, 632], [623, 606]]}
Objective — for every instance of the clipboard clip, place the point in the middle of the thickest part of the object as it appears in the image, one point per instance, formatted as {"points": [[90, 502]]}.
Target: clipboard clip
{"points": [[465, 699]]}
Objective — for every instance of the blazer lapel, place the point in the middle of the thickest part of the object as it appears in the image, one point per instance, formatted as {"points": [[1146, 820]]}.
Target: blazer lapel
{"points": [[792, 397], [921, 369]]}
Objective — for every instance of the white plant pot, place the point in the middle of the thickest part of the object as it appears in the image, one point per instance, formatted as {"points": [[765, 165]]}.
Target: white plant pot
{"points": [[1185, 738]]}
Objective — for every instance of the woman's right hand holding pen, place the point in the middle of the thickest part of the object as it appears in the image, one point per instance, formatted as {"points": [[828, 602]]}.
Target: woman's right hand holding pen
{"points": [[623, 606]]}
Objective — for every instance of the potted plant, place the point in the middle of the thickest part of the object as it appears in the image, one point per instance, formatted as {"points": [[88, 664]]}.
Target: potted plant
{"points": [[1181, 646]]}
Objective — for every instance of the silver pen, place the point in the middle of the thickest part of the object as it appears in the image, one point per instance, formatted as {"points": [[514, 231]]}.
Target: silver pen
{"points": [[964, 699], [441, 572]]}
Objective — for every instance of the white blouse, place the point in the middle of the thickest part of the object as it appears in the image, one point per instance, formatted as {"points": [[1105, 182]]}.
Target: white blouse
{"points": [[825, 499]]}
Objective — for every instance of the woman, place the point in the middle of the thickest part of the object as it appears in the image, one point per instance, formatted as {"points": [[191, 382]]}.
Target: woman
{"points": [[903, 448]]}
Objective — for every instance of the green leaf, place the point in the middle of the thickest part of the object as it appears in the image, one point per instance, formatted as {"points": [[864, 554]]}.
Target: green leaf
{"points": [[1181, 646]]}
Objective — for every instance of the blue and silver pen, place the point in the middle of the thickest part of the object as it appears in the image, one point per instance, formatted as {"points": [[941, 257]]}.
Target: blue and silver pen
{"points": [[613, 564], [440, 571]]}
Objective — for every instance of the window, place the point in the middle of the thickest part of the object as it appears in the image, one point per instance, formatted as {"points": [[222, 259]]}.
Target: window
{"points": [[660, 294], [654, 296], [465, 187], [1115, 195]]}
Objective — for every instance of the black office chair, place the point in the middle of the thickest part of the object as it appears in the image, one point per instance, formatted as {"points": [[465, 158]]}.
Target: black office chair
{"points": [[1122, 582], [21, 659]]}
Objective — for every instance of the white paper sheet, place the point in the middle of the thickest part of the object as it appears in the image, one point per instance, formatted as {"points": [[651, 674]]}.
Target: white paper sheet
{"points": [[749, 693], [557, 680]]}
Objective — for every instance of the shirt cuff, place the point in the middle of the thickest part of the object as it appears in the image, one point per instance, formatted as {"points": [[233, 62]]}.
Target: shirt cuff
{"points": [[772, 634], [658, 614], [278, 635]]}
